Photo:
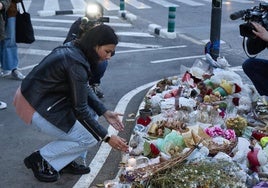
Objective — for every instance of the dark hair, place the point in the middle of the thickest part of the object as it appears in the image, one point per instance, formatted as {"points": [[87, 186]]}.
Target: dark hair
{"points": [[97, 36]]}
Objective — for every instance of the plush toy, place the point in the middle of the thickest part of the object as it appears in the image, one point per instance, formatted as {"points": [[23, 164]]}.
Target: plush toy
{"points": [[227, 88], [136, 143], [257, 159]]}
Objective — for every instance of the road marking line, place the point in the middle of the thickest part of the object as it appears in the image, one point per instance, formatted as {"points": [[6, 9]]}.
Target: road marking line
{"points": [[190, 2], [51, 5], [177, 59], [119, 24], [243, 1], [72, 21], [108, 5], [149, 49], [137, 4], [190, 39], [30, 51], [46, 52], [52, 20], [78, 4], [136, 45], [47, 38], [135, 34], [104, 150], [164, 3], [51, 28]]}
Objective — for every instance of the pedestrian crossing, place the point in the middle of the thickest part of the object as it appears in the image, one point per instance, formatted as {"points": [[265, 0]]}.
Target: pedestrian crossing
{"points": [[52, 32], [78, 6]]}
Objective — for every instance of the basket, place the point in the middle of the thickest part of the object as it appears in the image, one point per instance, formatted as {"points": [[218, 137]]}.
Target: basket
{"points": [[215, 148], [144, 173]]}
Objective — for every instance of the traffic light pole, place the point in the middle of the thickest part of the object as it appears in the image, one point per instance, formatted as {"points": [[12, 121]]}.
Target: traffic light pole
{"points": [[213, 48]]}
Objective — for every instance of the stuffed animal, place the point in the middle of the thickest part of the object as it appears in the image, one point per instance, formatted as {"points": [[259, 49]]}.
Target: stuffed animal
{"points": [[136, 143], [227, 88], [257, 160]]}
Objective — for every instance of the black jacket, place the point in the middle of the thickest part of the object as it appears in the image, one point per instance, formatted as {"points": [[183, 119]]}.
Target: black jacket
{"points": [[58, 89], [74, 31]]}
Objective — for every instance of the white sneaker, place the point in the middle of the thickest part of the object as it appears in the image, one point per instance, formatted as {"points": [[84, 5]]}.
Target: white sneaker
{"points": [[3, 105], [17, 74], [5, 73]]}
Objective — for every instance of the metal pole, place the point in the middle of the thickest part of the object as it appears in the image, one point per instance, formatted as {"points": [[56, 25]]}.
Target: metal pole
{"points": [[171, 19], [122, 5], [215, 29]]}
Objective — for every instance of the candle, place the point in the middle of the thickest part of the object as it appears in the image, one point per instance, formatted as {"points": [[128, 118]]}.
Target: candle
{"points": [[132, 162]]}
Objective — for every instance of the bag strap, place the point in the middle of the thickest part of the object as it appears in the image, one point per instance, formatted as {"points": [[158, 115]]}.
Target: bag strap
{"points": [[245, 49], [23, 7]]}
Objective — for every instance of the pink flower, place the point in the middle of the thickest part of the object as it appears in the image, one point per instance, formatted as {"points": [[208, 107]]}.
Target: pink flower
{"points": [[230, 134], [214, 131]]}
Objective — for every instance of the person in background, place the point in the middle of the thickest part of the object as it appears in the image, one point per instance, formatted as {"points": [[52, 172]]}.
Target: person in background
{"points": [[8, 47], [55, 96], [255, 68], [76, 31], [4, 4]]}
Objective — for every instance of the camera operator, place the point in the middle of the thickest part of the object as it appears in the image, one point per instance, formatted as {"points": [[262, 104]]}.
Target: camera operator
{"points": [[257, 69], [78, 28]]}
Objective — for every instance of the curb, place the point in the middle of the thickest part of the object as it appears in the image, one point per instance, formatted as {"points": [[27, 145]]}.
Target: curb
{"points": [[60, 12], [158, 30], [126, 15]]}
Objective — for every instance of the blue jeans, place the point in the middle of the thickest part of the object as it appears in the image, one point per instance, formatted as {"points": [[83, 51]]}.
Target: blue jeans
{"points": [[68, 146], [256, 69], [98, 73], [8, 47]]}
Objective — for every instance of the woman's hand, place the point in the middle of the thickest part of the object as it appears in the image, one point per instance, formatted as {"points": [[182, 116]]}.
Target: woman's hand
{"points": [[118, 143], [260, 31], [114, 120]]}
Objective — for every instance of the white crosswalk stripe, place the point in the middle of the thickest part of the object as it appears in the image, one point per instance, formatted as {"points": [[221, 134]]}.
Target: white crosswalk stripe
{"points": [[137, 4], [108, 5], [190, 2], [78, 4], [243, 1], [164, 3], [51, 5]]}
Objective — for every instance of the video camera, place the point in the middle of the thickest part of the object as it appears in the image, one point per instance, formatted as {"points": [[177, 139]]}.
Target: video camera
{"points": [[257, 14]]}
